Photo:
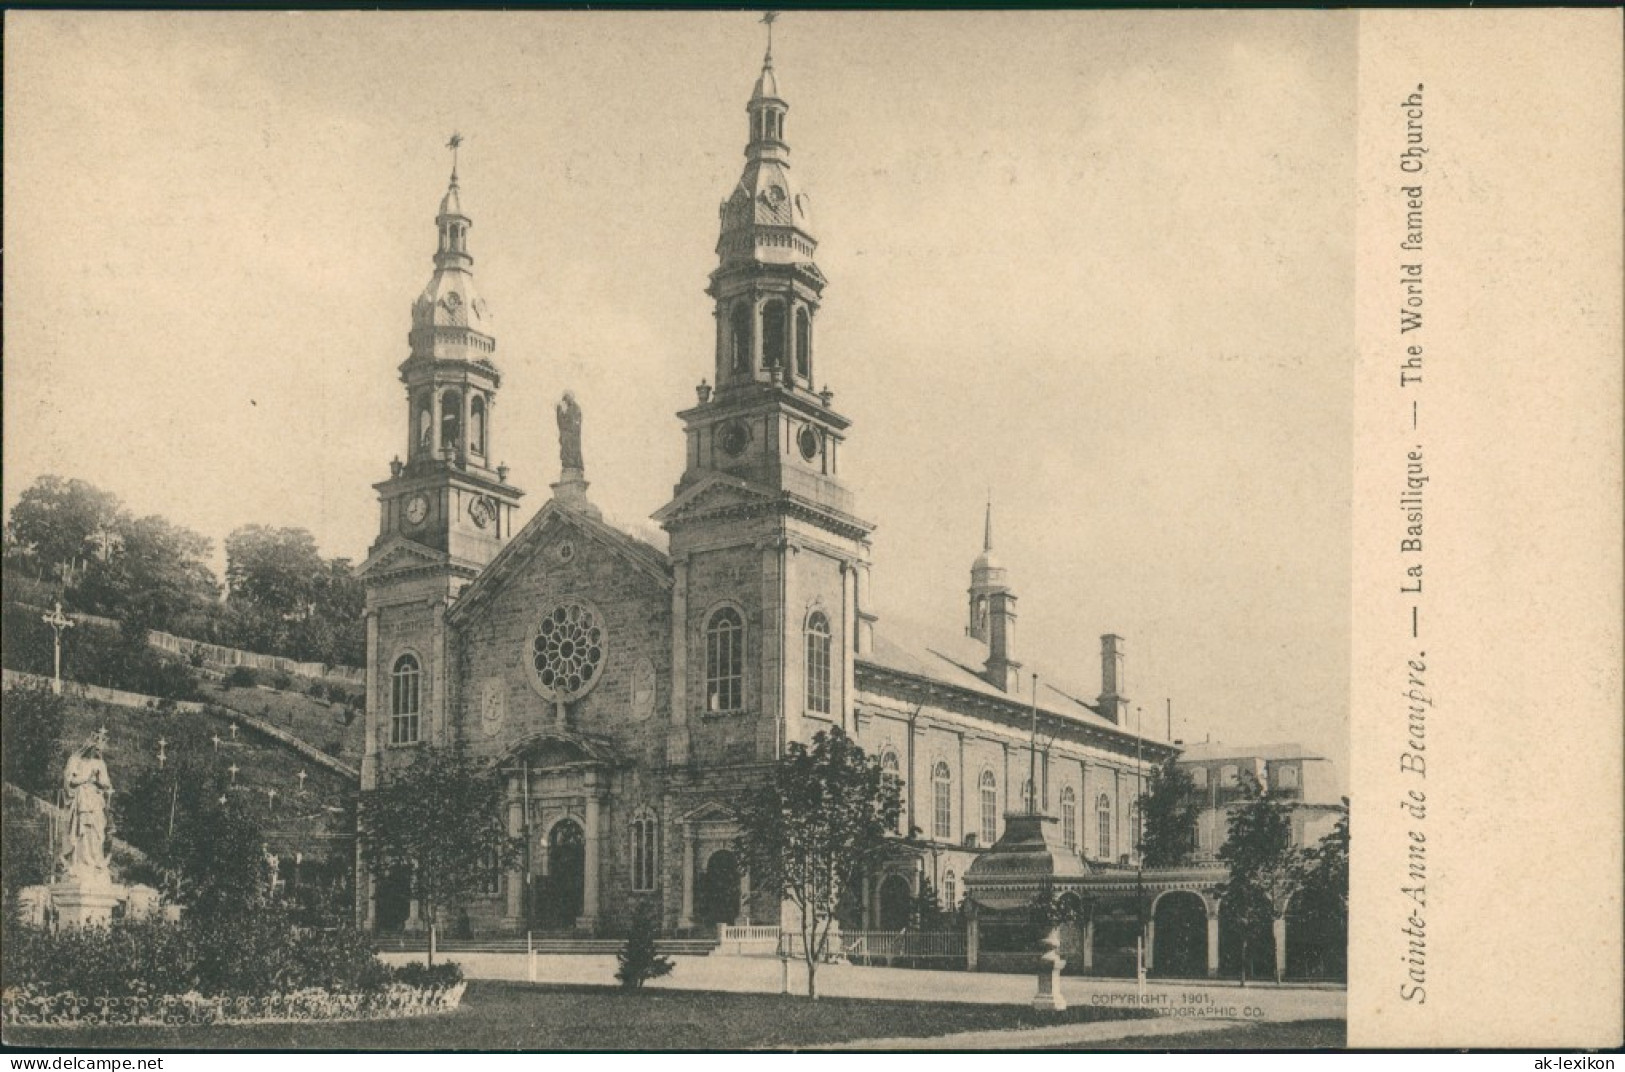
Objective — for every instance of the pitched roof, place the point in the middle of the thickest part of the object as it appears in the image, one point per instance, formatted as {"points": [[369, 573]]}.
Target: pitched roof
{"points": [[1207, 751], [945, 659]]}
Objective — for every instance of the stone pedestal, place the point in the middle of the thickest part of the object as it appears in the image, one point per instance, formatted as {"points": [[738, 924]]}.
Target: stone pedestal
{"points": [[1049, 973], [571, 492], [79, 905], [141, 902]]}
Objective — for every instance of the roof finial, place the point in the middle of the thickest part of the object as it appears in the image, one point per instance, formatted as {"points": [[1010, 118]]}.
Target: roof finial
{"points": [[987, 529], [768, 18], [456, 140]]}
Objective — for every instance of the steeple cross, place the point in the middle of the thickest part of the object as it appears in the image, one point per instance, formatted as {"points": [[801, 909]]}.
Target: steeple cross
{"points": [[452, 144], [768, 19]]}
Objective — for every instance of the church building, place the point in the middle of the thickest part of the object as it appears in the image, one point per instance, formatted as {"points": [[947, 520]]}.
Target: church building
{"points": [[631, 692]]}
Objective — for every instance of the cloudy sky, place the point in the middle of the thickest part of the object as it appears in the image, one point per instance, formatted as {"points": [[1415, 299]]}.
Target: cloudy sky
{"points": [[1099, 263]]}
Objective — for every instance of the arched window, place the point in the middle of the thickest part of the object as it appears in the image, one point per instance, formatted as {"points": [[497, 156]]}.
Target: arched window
{"points": [[739, 337], [645, 852], [476, 425], [1069, 818], [950, 892], [725, 661], [990, 808], [451, 420], [425, 431], [773, 334], [1199, 776], [404, 701], [818, 664], [891, 772], [804, 344], [1027, 796], [1103, 816], [942, 802]]}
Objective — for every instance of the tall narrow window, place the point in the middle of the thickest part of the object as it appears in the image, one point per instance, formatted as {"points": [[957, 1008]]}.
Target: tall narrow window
{"points": [[493, 875], [645, 845], [1069, 818], [451, 420], [476, 425], [892, 775], [773, 334], [804, 344], [1027, 796], [942, 800], [1103, 816], [950, 892], [404, 701], [425, 430], [818, 664], [739, 337], [990, 808], [725, 661]]}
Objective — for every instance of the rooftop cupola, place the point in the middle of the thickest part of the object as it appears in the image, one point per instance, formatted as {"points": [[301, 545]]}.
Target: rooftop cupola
{"points": [[987, 579], [449, 319]]}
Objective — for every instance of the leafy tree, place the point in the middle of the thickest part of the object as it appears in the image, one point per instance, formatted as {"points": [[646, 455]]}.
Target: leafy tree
{"points": [[274, 571], [820, 819], [1322, 900], [639, 960], [30, 738], [1170, 805], [54, 518], [157, 573], [1264, 868], [440, 817]]}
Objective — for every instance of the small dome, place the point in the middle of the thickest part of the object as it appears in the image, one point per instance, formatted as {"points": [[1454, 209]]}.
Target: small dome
{"points": [[986, 561], [767, 86], [452, 203]]}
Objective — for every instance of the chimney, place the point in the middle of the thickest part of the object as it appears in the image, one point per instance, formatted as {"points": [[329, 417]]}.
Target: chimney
{"points": [[1113, 704], [1003, 671]]}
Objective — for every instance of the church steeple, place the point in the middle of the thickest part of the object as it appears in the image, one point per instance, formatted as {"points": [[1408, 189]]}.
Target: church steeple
{"points": [[450, 494], [987, 579]]}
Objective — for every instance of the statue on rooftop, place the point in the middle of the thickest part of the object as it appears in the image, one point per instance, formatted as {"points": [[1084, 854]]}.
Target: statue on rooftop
{"points": [[569, 415]]}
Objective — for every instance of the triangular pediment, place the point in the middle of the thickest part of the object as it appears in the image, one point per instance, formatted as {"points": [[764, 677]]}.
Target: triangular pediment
{"points": [[709, 812], [713, 493], [550, 524], [397, 555]]}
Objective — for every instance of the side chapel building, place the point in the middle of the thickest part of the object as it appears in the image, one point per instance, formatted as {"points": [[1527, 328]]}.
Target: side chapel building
{"points": [[628, 692]]}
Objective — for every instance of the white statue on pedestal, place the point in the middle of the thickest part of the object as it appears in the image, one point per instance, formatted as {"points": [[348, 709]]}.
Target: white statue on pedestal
{"points": [[89, 790]]}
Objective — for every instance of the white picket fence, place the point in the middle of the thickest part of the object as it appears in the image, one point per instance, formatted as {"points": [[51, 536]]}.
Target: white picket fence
{"points": [[919, 948]]}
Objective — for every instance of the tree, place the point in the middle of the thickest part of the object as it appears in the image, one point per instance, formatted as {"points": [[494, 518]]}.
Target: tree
{"points": [[1264, 868], [824, 814], [156, 573], [1170, 807], [275, 571], [1322, 900], [440, 818], [639, 960], [54, 518], [30, 739]]}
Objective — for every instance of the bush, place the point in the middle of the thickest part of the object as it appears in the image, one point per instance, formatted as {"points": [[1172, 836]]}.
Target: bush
{"points": [[639, 961], [241, 677], [30, 735], [438, 976]]}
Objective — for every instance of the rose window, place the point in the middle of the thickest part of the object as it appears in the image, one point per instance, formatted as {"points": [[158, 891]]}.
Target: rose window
{"points": [[567, 654]]}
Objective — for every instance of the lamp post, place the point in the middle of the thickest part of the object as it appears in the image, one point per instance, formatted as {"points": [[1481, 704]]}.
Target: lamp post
{"points": [[58, 622]]}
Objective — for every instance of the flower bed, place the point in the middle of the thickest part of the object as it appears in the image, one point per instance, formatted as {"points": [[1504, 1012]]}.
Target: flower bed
{"points": [[24, 1006]]}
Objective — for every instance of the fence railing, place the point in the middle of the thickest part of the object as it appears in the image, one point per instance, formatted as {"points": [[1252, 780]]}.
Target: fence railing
{"points": [[939, 948]]}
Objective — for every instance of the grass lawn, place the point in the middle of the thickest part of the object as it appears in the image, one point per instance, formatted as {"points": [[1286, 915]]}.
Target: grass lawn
{"points": [[522, 1016], [1292, 1035]]}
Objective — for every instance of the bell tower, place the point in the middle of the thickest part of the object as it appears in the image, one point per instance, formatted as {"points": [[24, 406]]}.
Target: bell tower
{"points": [[771, 562], [444, 512], [450, 495]]}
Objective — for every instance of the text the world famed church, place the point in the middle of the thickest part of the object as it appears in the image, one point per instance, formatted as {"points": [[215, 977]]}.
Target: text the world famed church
{"points": [[631, 692]]}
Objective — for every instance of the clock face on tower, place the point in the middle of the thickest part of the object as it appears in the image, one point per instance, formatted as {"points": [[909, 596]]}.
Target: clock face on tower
{"points": [[417, 509], [735, 438]]}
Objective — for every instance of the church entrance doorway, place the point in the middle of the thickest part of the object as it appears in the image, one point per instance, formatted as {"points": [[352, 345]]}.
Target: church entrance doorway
{"points": [[562, 889], [894, 903], [719, 889]]}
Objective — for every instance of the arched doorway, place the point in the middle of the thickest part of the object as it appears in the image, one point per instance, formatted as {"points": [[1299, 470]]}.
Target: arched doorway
{"points": [[394, 899], [561, 895], [718, 893], [895, 902], [1181, 935], [1245, 936]]}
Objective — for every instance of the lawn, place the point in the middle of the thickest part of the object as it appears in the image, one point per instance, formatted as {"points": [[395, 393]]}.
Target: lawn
{"points": [[519, 1016]]}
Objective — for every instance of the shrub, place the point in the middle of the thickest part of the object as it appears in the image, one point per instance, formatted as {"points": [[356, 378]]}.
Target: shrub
{"points": [[282, 681], [438, 976], [639, 961], [30, 752], [241, 677]]}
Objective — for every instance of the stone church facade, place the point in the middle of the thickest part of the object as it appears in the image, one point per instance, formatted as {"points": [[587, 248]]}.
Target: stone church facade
{"points": [[630, 693]]}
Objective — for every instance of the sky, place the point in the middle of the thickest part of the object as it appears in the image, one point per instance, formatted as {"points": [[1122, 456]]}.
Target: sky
{"points": [[1097, 265]]}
